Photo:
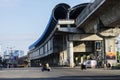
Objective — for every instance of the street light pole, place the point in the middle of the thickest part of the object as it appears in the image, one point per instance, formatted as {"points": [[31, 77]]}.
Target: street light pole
{"points": [[68, 16]]}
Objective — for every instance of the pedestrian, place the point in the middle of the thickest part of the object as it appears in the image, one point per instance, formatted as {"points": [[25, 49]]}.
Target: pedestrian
{"points": [[108, 66], [83, 66]]}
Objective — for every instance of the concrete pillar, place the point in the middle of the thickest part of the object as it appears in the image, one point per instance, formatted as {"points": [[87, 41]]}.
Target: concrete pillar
{"points": [[70, 53], [61, 59]]}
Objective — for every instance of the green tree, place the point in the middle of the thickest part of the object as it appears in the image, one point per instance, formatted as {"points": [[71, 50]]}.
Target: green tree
{"points": [[118, 55], [84, 57]]}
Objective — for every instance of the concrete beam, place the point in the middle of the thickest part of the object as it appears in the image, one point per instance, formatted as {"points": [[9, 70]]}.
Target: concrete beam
{"points": [[111, 16], [69, 30], [84, 37]]}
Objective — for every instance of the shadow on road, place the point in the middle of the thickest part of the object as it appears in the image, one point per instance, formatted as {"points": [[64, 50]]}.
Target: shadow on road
{"points": [[114, 77]]}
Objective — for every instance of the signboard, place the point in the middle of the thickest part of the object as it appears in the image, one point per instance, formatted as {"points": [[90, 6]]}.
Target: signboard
{"points": [[110, 55], [98, 46]]}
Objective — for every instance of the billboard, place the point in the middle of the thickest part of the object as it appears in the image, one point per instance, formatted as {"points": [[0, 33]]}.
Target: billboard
{"points": [[21, 53], [16, 53], [111, 55]]}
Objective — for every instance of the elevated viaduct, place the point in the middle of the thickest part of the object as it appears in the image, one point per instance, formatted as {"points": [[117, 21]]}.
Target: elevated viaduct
{"points": [[86, 31]]}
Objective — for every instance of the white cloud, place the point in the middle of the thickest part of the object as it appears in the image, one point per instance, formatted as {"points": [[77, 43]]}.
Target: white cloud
{"points": [[9, 3]]}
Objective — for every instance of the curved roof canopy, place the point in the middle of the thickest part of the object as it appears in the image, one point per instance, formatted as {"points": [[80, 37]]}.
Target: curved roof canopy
{"points": [[59, 12], [76, 10]]}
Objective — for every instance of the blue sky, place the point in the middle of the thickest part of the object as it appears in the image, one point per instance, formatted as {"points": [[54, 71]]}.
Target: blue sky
{"points": [[23, 21]]}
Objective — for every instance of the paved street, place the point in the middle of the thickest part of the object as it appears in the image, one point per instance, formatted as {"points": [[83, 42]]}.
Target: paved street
{"points": [[58, 74]]}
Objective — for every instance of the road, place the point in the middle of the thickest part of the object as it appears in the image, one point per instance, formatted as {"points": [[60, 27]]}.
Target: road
{"points": [[58, 74]]}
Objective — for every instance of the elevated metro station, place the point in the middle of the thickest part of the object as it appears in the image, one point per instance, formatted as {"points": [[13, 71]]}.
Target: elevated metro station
{"points": [[84, 32]]}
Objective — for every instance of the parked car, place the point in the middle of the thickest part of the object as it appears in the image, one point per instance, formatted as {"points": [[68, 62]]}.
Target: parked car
{"points": [[90, 63]]}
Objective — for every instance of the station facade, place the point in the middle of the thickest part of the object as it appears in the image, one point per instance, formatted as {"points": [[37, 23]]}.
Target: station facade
{"points": [[73, 35]]}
